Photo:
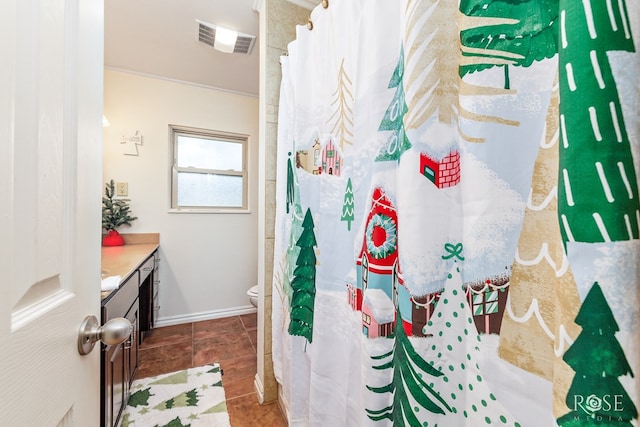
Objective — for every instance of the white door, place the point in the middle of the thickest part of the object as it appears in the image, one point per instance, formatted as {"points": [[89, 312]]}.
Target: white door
{"points": [[51, 68]]}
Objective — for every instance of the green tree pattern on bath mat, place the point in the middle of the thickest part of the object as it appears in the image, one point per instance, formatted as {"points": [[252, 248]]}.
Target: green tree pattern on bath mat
{"points": [[180, 377], [188, 398], [181, 398], [140, 398], [174, 423], [220, 407]]}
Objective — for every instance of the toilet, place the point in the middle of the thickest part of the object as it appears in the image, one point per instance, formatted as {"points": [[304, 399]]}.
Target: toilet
{"points": [[253, 295]]}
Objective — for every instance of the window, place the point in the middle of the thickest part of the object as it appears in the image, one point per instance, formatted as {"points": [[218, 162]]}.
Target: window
{"points": [[485, 302], [208, 170], [386, 329], [366, 318], [365, 272], [317, 160]]}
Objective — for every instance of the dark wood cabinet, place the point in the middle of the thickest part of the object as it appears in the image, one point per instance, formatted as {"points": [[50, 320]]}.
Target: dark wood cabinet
{"points": [[130, 349], [134, 300], [119, 362], [148, 294]]}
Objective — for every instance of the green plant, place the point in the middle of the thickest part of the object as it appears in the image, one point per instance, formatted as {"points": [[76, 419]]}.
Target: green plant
{"points": [[115, 212]]}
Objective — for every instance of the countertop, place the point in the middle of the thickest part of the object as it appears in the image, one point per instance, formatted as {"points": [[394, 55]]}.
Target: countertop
{"points": [[124, 260]]}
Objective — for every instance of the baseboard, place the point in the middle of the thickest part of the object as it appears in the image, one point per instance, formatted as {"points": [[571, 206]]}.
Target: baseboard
{"points": [[283, 404], [257, 384], [205, 315]]}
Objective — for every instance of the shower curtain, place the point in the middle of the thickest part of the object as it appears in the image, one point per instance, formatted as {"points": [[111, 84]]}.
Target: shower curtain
{"points": [[457, 225]]}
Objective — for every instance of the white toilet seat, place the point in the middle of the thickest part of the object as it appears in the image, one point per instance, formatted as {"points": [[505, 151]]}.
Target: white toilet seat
{"points": [[253, 295]]}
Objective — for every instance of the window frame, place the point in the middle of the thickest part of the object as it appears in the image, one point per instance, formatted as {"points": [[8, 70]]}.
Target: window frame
{"points": [[177, 130]]}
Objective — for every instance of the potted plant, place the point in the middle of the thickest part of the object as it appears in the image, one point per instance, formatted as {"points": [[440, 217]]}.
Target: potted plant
{"points": [[115, 212]]}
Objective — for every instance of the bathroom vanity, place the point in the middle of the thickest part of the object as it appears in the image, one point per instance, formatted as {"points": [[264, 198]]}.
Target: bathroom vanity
{"points": [[136, 300]]}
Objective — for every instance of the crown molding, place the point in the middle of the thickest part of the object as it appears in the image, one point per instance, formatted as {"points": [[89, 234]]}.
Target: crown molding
{"points": [[258, 5]]}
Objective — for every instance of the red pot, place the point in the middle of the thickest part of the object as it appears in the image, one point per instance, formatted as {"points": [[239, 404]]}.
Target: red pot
{"points": [[113, 238]]}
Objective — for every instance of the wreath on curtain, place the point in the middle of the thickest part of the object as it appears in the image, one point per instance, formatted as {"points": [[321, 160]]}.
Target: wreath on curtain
{"points": [[381, 236]]}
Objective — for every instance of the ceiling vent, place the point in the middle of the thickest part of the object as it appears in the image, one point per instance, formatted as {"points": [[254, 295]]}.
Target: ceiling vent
{"points": [[206, 33]]}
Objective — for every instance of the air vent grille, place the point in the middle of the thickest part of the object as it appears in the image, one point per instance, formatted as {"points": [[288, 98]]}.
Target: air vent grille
{"points": [[206, 33]]}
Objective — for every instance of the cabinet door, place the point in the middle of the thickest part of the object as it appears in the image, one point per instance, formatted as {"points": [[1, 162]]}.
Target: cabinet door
{"points": [[107, 387], [131, 354], [116, 359], [154, 288], [116, 387], [146, 306], [147, 277]]}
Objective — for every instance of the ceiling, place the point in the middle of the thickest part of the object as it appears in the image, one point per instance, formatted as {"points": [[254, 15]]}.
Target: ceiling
{"points": [[159, 38]]}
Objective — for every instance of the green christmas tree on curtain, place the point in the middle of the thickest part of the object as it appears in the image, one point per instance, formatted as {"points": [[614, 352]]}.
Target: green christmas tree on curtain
{"points": [[290, 183], [293, 251], [597, 184], [347, 207], [398, 142], [596, 397], [304, 282], [410, 372], [526, 33], [296, 229]]}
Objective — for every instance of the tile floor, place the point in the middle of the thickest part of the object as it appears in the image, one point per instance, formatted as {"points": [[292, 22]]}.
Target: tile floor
{"points": [[231, 342]]}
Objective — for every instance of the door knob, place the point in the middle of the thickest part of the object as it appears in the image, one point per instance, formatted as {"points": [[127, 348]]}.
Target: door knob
{"points": [[113, 332]]}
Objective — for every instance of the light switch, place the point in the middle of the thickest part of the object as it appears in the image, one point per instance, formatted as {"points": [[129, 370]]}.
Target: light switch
{"points": [[122, 188]]}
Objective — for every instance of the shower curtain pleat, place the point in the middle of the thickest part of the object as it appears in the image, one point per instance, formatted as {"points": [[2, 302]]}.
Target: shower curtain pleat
{"points": [[457, 217]]}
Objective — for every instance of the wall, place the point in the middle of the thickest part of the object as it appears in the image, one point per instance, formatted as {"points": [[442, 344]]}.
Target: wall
{"points": [[208, 261], [278, 20]]}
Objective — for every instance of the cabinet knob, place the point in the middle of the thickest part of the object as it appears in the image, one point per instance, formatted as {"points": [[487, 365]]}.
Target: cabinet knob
{"points": [[113, 332]]}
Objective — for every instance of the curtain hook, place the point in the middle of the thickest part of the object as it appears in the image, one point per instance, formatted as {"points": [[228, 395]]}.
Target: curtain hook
{"points": [[325, 4], [310, 25]]}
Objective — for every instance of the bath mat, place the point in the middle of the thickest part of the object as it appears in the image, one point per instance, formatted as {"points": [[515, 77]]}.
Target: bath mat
{"points": [[192, 397]]}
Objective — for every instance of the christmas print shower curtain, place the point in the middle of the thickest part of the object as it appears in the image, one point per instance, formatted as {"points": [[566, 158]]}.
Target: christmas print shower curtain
{"points": [[457, 226]]}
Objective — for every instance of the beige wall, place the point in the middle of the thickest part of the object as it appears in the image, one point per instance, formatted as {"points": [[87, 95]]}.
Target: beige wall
{"points": [[208, 261], [278, 20], [139, 103]]}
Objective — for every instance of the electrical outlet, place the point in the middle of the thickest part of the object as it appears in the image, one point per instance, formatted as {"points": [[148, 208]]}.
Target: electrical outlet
{"points": [[122, 188]]}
